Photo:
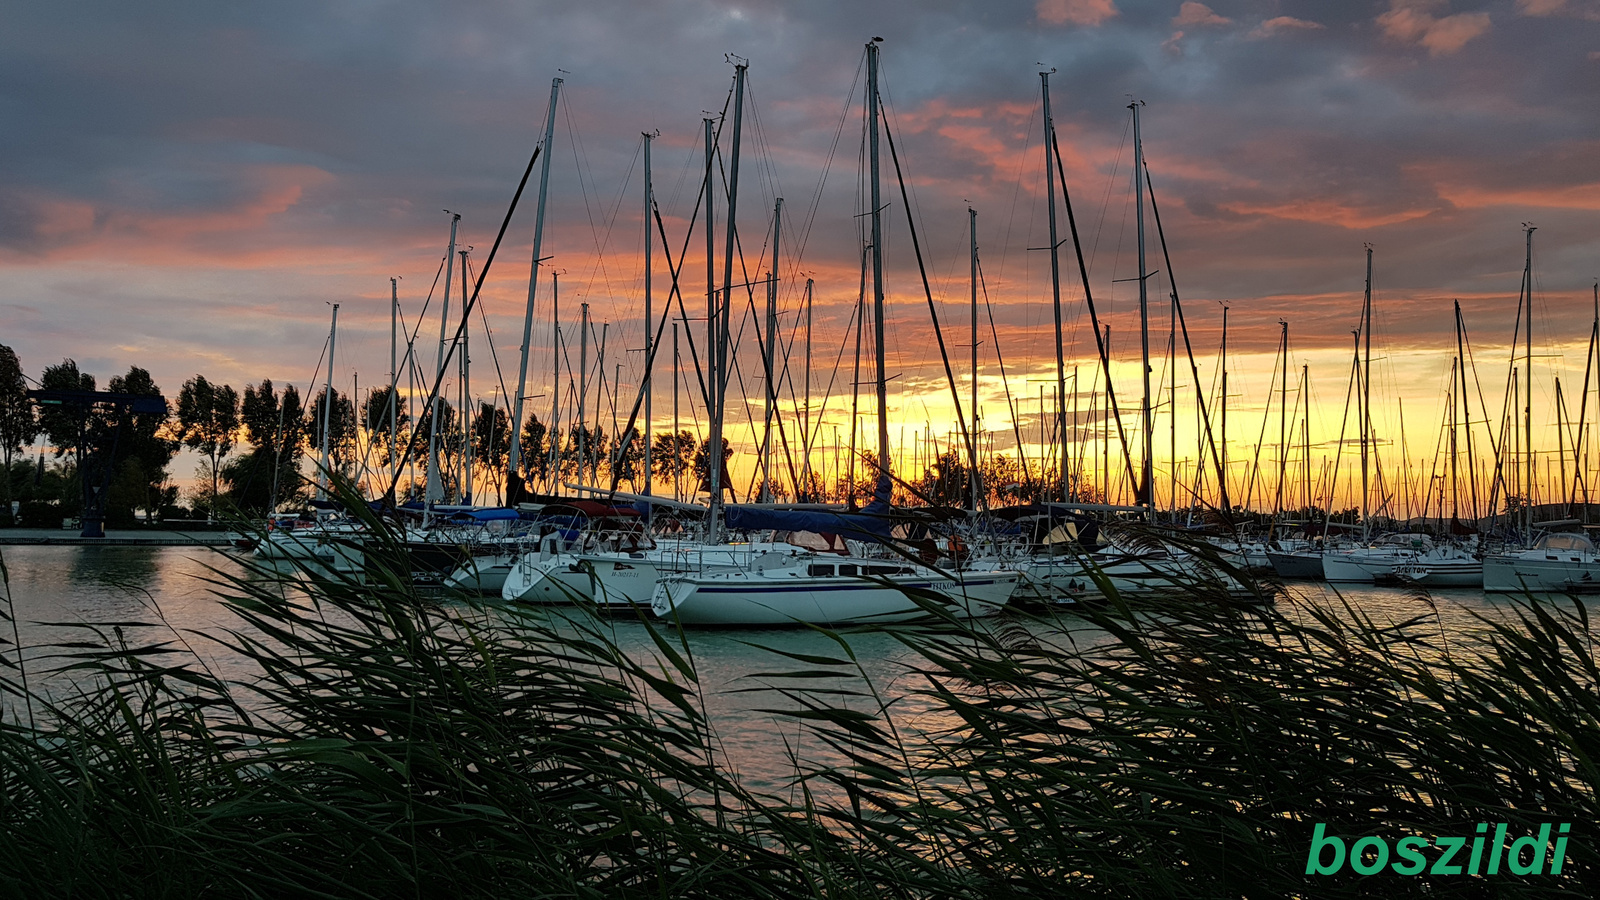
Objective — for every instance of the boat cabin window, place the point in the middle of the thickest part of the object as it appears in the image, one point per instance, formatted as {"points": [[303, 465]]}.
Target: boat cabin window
{"points": [[1563, 541], [819, 571], [848, 570], [888, 570]]}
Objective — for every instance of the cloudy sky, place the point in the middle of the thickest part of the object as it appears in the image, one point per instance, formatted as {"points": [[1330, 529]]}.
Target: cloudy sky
{"points": [[187, 186]]}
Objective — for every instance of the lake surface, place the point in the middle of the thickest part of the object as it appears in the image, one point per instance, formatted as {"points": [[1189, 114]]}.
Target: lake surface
{"points": [[52, 586]]}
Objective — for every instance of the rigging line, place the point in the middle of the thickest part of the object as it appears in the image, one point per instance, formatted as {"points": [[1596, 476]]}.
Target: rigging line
{"points": [[1094, 317], [1188, 347], [1005, 381], [822, 179], [489, 336], [1105, 203], [827, 394], [611, 221], [465, 318], [933, 312], [674, 293], [1266, 414], [579, 159], [1338, 450], [762, 343], [1507, 414]]}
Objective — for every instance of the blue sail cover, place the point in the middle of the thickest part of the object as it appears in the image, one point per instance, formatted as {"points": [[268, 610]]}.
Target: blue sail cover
{"points": [[872, 523], [857, 526]]}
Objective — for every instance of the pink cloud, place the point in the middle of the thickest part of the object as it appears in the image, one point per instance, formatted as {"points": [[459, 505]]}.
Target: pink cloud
{"points": [[1413, 22], [1282, 24], [1588, 10], [1075, 12], [1195, 14]]}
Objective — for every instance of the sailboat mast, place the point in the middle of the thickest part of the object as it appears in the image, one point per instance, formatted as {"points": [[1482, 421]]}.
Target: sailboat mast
{"points": [[649, 350], [554, 433], [972, 229], [468, 413], [1283, 419], [327, 408], [1147, 476], [1305, 435], [808, 437], [1055, 277], [772, 349], [1527, 396], [877, 266], [1365, 411], [435, 486], [677, 448], [1222, 467], [394, 378], [720, 346], [583, 389], [514, 454], [1466, 412]]}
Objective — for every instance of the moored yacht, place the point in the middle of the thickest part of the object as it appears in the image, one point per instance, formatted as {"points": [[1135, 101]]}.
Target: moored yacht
{"points": [[827, 591], [1558, 562]]}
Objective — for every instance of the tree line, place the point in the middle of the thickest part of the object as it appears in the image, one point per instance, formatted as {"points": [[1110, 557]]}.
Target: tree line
{"points": [[255, 443]]}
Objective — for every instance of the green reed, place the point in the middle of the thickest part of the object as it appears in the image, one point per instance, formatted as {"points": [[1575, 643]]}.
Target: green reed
{"points": [[396, 744]]}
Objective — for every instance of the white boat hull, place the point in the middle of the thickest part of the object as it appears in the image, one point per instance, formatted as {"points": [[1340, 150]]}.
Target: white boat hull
{"points": [[482, 574], [562, 578], [740, 598], [1442, 573], [1560, 572]]}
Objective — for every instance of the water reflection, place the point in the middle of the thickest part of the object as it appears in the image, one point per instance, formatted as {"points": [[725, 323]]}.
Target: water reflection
{"points": [[172, 588]]}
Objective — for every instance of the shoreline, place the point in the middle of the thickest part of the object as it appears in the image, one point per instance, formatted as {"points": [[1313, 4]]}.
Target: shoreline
{"points": [[34, 537]]}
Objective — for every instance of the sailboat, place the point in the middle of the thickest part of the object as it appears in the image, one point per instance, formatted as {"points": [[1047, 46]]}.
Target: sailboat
{"points": [[812, 588], [1556, 561]]}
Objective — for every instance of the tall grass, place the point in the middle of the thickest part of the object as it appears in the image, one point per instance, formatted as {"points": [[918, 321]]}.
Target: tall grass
{"points": [[396, 744]]}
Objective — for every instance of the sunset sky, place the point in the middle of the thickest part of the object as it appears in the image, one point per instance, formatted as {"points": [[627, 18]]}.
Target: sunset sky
{"points": [[187, 186]]}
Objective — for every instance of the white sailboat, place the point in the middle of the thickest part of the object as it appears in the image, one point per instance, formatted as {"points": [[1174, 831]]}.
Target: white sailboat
{"points": [[820, 591]]}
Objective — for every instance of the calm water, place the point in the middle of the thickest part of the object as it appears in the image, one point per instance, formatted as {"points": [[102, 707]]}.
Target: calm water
{"points": [[53, 586]]}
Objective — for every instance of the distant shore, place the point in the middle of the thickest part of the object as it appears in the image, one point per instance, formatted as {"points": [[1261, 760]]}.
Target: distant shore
{"points": [[132, 537]]}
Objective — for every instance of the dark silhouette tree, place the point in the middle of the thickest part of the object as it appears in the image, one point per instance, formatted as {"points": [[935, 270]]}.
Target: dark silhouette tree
{"points": [[341, 429], [491, 441], [534, 450], [671, 456], [142, 450], [62, 426], [208, 421], [19, 420]]}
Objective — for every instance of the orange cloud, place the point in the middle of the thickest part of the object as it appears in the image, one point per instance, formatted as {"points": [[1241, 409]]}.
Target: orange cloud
{"points": [[1281, 24], [1327, 212], [1413, 22], [1075, 12], [74, 229], [1194, 14], [1578, 196]]}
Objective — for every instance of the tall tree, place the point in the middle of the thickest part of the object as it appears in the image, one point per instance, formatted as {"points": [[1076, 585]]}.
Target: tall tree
{"points": [[535, 452], [19, 421], [376, 420], [671, 455], [295, 428], [142, 450], [62, 426], [208, 421], [258, 412], [341, 428], [491, 440]]}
